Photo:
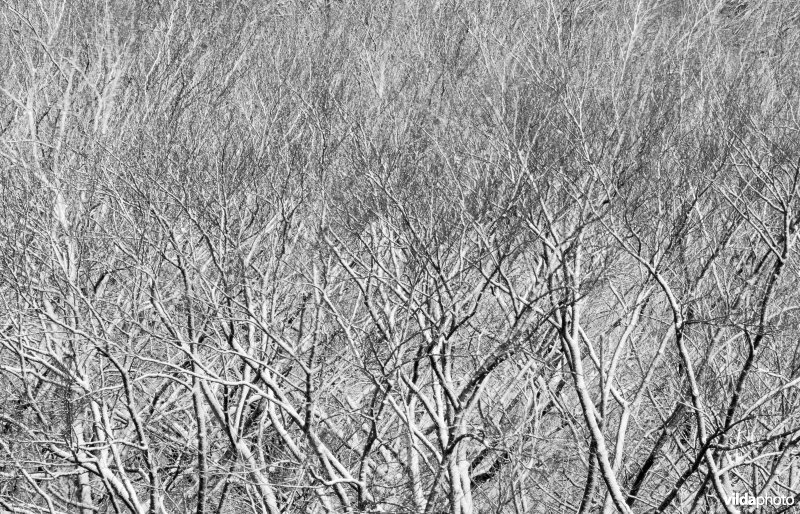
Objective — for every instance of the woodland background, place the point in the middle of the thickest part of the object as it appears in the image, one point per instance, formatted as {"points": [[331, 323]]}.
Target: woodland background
{"points": [[398, 256]]}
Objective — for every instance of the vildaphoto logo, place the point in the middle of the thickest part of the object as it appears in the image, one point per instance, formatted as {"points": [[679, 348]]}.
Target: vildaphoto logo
{"points": [[759, 501]]}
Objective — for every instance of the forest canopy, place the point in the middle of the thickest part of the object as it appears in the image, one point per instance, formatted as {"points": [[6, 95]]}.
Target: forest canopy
{"points": [[399, 256]]}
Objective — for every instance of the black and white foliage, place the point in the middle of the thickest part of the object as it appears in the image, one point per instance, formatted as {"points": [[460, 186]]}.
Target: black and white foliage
{"points": [[424, 257]]}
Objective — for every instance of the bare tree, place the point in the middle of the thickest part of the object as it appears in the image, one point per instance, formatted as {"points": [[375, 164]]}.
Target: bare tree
{"points": [[398, 257]]}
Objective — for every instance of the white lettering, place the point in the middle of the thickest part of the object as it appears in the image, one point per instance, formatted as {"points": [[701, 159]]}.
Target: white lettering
{"points": [[760, 501]]}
